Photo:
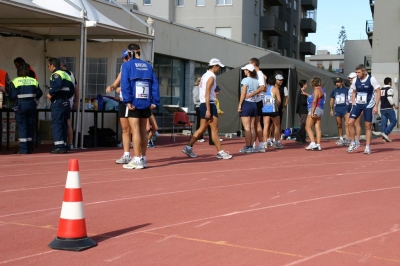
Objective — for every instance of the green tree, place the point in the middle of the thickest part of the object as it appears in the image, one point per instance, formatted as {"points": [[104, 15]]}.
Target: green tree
{"points": [[342, 40]]}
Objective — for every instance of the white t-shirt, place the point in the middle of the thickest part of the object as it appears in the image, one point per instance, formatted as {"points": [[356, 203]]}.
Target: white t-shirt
{"points": [[261, 82], [203, 86]]}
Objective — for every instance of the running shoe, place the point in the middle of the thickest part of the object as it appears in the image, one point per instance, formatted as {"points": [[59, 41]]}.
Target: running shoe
{"points": [[311, 147], [224, 155], [134, 165], [385, 137], [351, 148], [150, 144], [277, 145], [358, 144], [318, 148], [367, 150], [123, 160], [340, 142], [259, 149], [269, 144], [200, 140], [189, 152], [244, 150]]}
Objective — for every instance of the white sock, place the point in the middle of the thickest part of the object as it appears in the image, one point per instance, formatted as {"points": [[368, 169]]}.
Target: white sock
{"points": [[143, 157], [312, 143], [137, 159], [318, 144], [127, 154], [366, 146], [261, 144], [221, 151], [341, 138], [188, 147]]}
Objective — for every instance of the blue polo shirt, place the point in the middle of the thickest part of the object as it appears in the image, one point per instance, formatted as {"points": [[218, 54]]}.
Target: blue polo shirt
{"points": [[340, 97]]}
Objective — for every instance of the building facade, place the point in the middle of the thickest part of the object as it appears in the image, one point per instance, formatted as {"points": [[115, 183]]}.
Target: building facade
{"points": [[385, 41], [278, 25], [331, 62]]}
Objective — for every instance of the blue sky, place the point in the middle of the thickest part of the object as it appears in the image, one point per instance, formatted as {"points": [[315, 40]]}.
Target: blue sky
{"points": [[332, 15]]}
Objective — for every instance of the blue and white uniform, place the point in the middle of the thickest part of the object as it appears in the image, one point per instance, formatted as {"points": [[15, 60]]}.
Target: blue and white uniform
{"points": [[139, 84], [270, 104], [249, 106], [365, 97], [340, 96]]}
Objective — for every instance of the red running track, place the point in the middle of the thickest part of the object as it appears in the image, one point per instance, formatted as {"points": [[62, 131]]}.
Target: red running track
{"points": [[282, 207]]}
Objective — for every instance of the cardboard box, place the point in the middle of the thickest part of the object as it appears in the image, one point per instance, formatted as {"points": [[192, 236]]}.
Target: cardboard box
{"points": [[4, 115], [12, 125]]}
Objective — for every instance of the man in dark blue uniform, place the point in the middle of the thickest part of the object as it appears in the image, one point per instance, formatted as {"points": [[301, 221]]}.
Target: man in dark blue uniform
{"points": [[25, 91], [61, 89]]}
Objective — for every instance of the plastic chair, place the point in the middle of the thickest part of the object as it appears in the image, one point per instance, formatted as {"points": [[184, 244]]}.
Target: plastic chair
{"points": [[181, 120]]}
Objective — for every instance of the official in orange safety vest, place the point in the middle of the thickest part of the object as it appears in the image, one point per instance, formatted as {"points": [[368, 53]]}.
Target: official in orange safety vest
{"points": [[4, 85], [20, 61]]}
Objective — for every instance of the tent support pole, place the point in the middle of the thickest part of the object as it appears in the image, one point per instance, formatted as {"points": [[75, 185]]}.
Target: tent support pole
{"points": [[288, 105], [82, 82]]}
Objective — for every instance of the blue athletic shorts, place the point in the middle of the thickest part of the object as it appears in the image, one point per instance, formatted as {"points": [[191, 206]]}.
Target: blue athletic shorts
{"points": [[249, 109], [203, 110], [349, 108], [356, 112], [341, 111]]}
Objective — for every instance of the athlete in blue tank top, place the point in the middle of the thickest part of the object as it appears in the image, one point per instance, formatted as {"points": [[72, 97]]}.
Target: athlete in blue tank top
{"points": [[366, 97]]}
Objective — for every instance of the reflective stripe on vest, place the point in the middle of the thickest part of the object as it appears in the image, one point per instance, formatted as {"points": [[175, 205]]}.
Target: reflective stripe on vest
{"points": [[28, 95]]}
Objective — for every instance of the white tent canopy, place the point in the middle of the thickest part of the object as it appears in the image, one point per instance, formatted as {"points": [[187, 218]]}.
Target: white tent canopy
{"points": [[65, 20], [58, 19]]}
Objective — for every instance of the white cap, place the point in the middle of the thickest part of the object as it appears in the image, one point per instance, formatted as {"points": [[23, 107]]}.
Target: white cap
{"points": [[279, 77], [352, 75], [215, 61], [249, 67]]}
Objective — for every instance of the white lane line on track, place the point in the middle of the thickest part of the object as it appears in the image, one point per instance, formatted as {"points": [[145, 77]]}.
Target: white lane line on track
{"points": [[341, 247], [27, 257], [174, 175], [171, 193], [264, 208], [203, 224]]}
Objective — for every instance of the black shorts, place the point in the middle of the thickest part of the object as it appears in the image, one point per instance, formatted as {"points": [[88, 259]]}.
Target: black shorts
{"points": [[122, 110], [273, 114], [203, 110], [139, 113], [259, 107]]}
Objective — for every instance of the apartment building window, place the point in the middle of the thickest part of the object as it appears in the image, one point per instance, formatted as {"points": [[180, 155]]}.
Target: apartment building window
{"points": [[146, 2], [255, 40], [312, 14], [295, 4], [286, 26], [224, 32], [294, 30], [179, 2], [96, 76], [224, 2], [199, 2], [285, 52], [294, 56]]}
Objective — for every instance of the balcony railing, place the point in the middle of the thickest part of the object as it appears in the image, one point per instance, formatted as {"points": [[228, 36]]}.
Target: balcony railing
{"points": [[271, 25], [308, 25], [368, 61], [372, 6], [369, 27], [309, 4], [307, 48]]}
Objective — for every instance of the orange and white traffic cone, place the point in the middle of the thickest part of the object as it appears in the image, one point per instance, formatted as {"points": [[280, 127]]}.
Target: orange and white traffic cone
{"points": [[71, 233]]}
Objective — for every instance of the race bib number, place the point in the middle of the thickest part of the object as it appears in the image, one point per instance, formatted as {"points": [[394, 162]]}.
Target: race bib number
{"points": [[340, 99], [142, 90], [361, 98], [267, 101]]}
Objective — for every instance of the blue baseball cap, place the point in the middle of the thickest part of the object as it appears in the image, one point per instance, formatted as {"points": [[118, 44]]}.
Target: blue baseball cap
{"points": [[125, 53]]}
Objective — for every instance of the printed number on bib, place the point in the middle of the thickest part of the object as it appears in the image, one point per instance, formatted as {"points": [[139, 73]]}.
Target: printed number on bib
{"points": [[361, 98], [340, 99], [142, 90], [268, 101]]}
